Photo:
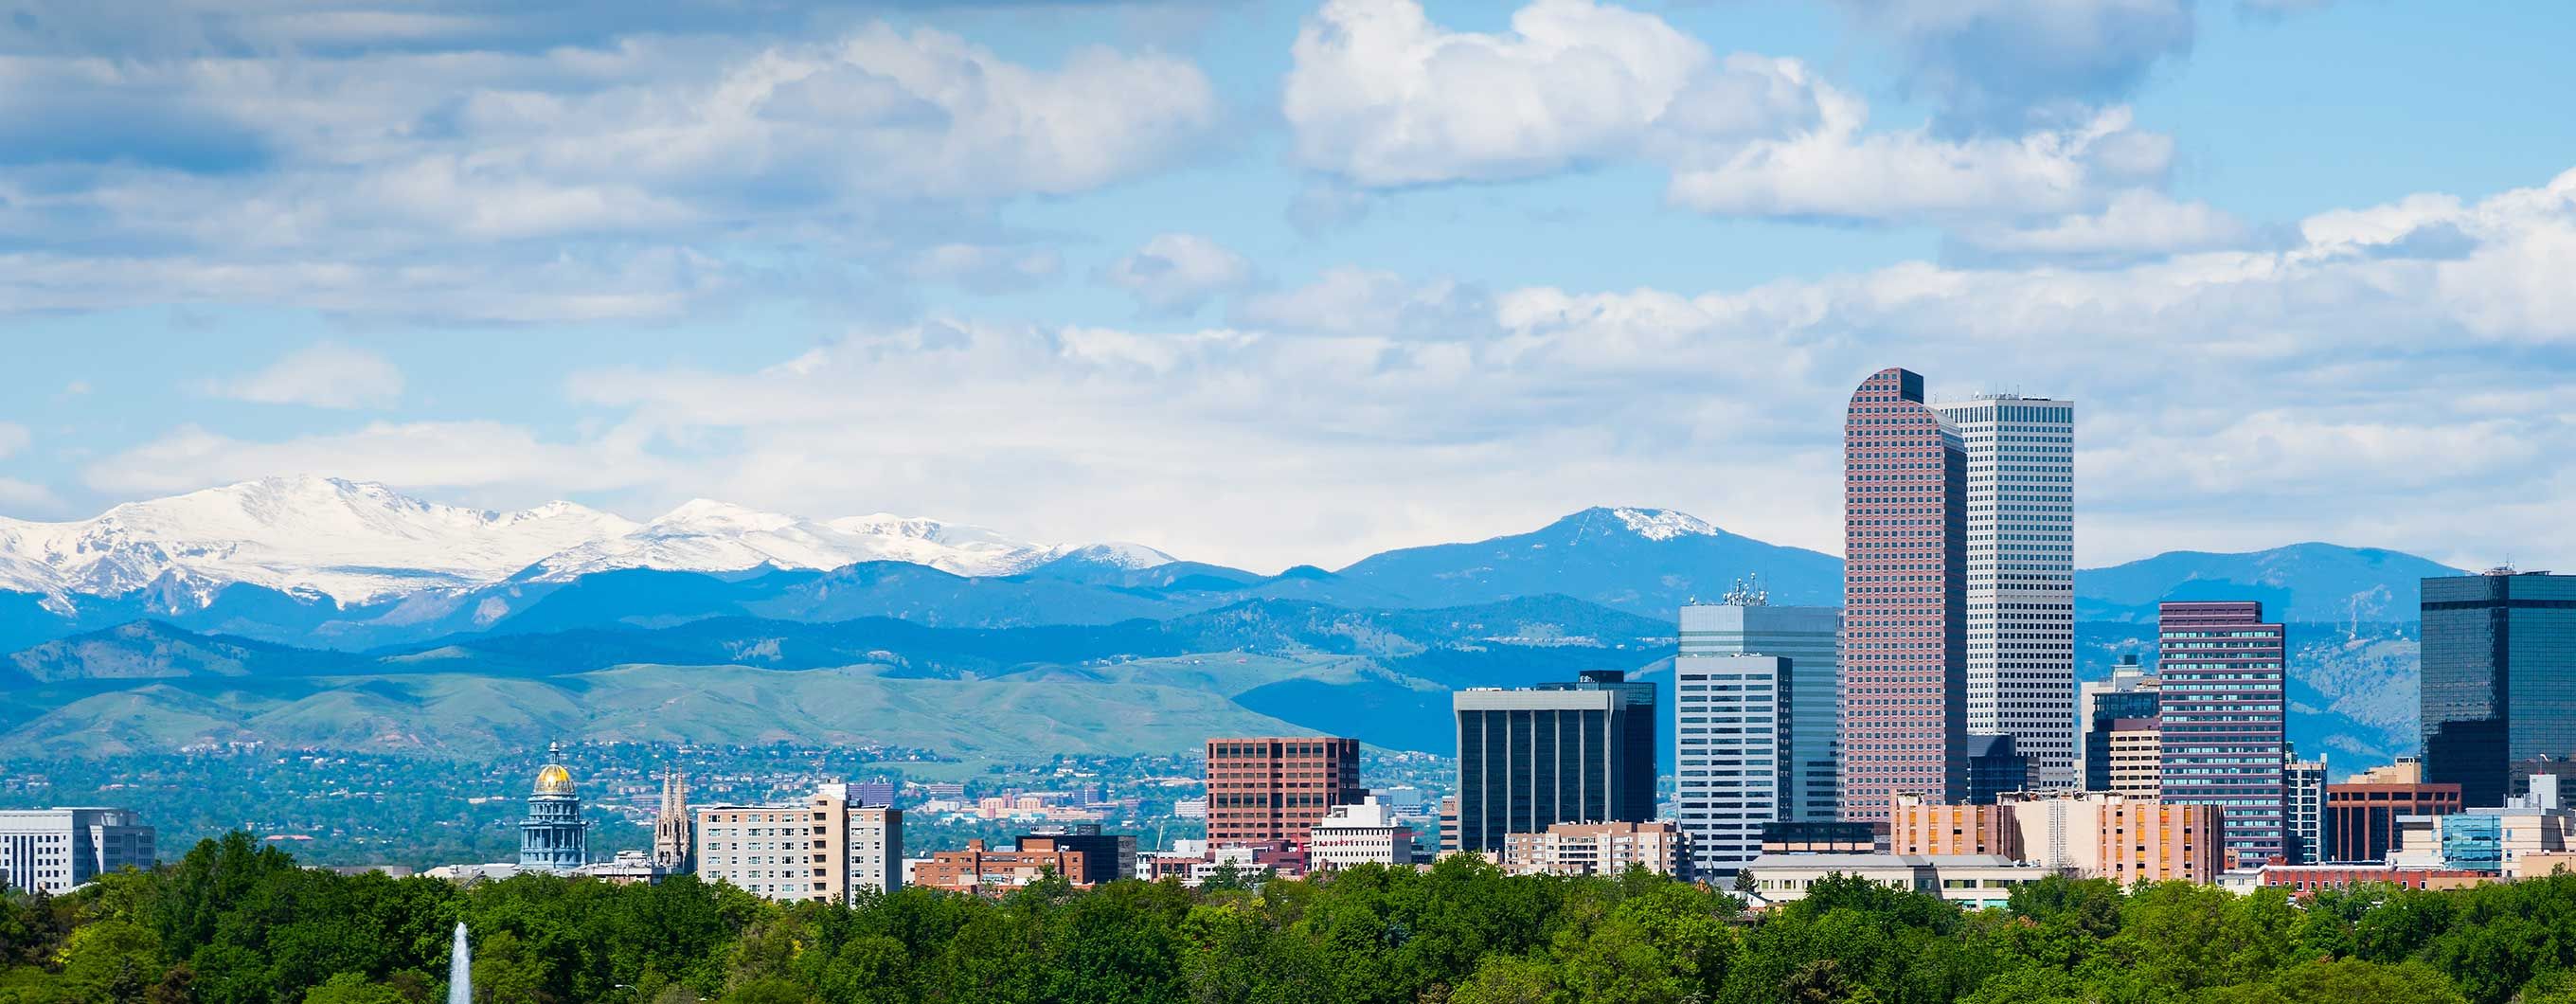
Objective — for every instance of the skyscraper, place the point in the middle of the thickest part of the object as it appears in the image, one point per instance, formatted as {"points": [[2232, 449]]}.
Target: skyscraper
{"points": [[553, 837], [2020, 524], [2220, 673], [2499, 677], [1579, 752], [2102, 705], [1273, 788], [1905, 485], [1995, 767], [1756, 716], [2303, 786]]}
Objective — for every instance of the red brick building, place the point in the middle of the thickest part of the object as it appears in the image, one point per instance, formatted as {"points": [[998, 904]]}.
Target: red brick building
{"points": [[1273, 788]]}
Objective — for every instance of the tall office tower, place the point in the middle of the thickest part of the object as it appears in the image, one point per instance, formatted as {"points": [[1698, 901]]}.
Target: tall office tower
{"points": [[2303, 785], [1272, 788], [2102, 705], [672, 842], [2499, 677], [52, 850], [553, 837], [2021, 575], [1995, 767], [2220, 669], [826, 849], [1755, 714], [1580, 752], [1905, 487]]}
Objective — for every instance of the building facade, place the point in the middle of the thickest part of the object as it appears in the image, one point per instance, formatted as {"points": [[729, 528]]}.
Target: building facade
{"points": [[2362, 815], [2127, 699], [1597, 849], [2127, 840], [2303, 785], [2499, 686], [1905, 486], [825, 850], [979, 868], [1365, 833], [2134, 749], [675, 843], [2220, 672], [52, 851], [1756, 715], [553, 837], [1556, 753], [1975, 881], [1919, 826], [1995, 766], [1267, 788], [2020, 579]]}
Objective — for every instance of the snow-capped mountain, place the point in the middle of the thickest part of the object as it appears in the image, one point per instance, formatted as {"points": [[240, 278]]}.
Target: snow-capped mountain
{"points": [[357, 542], [351, 541]]}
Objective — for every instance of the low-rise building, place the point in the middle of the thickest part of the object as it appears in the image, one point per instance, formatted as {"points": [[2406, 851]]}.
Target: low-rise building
{"points": [[2124, 839], [1359, 834], [627, 868], [1193, 862], [2303, 880], [2490, 840], [827, 849], [2361, 815], [55, 850], [1920, 826], [978, 868], [1974, 880], [1597, 849], [1821, 836]]}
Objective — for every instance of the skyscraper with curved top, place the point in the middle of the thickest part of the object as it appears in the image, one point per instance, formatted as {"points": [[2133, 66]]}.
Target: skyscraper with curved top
{"points": [[553, 837], [1905, 558]]}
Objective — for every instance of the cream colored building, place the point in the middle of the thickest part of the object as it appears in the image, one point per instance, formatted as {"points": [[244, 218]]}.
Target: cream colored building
{"points": [[1973, 880], [1596, 849], [824, 850], [2124, 839], [2137, 757], [1358, 834]]}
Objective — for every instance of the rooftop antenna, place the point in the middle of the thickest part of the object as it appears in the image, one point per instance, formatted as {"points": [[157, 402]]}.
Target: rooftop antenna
{"points": [[1748, 592]]}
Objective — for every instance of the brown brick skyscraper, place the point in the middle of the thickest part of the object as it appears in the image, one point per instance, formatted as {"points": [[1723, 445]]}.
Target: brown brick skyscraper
{"points": [[1904, 599], [1276, 787]]}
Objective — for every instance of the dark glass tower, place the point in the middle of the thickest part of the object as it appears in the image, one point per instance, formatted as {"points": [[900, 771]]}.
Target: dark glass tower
{"points": [[2499, 678], [1557, 753], [1995, 765]]}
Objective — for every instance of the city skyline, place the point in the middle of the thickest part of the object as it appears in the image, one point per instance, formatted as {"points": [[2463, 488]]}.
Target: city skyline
{"points": [[1257, 286]]}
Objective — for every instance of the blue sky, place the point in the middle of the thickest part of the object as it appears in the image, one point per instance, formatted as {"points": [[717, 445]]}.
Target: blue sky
{"points": [[1270, 283]]}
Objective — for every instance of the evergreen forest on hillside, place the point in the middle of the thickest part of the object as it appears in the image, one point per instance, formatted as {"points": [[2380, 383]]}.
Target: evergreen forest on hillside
{"points": [[236, 923]]}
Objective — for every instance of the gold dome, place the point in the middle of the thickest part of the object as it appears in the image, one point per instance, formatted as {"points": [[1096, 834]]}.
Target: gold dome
{"points": [[553, 779]]}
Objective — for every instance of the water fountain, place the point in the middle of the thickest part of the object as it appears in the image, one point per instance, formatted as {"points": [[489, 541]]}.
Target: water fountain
{"points": [[460, 970]]}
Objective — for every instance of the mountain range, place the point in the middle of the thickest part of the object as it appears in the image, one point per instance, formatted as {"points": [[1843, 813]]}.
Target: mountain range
{"points": [[311, 611]]}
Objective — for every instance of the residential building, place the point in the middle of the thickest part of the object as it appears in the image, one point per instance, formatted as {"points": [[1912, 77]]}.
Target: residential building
{"points": [[1755, 713], [53, 851], [1904, 663], [2104, 835], [2020, 576], [825, 849], [2127, 699], [2134, 755], [1919, 826], [978, 868], [1995, 766], [1359, 834], [2220, 674], [673, 840], [1266, 788], [2362, 814], [2499, 677], [1597, 849], [1973, 880], [553, 837], [1582, 751], [2303, 785]]}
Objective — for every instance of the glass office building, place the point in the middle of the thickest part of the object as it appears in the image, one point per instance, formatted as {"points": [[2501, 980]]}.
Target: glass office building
{"points": [[1578, 752], [2499, 688]]}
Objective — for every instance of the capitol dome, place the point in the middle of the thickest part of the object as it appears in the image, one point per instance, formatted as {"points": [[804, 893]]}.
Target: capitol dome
{"points": [[553, 779]]}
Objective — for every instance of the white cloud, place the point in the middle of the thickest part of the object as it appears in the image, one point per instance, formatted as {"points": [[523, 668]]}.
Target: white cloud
{"points": [[1175, 273], [13, 438], [323, 375], [1361, 302], [26, 499], [470, 454], [2137, 223], [2007, 65], [987, 268]]}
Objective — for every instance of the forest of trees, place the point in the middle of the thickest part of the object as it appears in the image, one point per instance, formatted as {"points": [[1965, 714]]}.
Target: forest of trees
{"points": [[234, 923]]}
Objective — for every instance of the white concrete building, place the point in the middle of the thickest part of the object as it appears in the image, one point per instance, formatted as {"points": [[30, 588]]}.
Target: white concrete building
{"points": [[1756, 724], [54, 850], [2021, 575], [1596, 849], [826, 849], [1974, 880], [1358, 834], [2304, 784]]}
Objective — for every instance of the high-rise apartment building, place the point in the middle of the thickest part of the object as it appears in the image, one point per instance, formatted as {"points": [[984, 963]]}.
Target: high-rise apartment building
{"points": [[1754, 721], [2221, 673], [1271, 788], [53, 850], [1579, 752], [2303, 784], [826, 849], [2499, 686], [2020, 578], [1905, 487], [2129, 695]]}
